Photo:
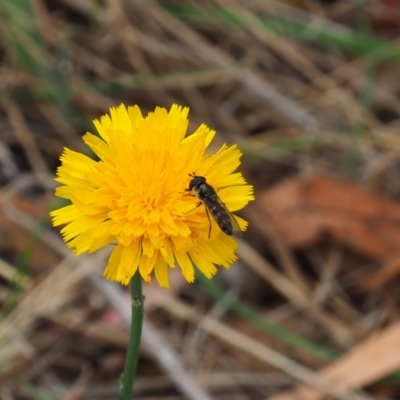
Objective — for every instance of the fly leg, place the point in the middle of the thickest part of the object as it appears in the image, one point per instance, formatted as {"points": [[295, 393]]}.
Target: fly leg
{"points": [[208, 216], [209, 221], [197, 206]]}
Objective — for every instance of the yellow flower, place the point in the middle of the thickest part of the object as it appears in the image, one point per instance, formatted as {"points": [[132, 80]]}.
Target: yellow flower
{"points": [[135, 196]]}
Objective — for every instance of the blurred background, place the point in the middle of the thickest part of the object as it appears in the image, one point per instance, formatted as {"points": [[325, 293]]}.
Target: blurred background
{"points": [[310, 91]]}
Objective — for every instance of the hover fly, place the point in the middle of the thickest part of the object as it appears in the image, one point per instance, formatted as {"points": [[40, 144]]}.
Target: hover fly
{"points": [[214, 206]]}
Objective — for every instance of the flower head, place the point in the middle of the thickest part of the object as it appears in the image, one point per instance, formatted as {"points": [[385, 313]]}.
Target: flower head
{"points": [[136, 195]]}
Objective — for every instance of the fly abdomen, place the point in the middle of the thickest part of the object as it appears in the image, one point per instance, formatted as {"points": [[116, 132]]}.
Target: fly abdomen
{"points": [[221, 217]]}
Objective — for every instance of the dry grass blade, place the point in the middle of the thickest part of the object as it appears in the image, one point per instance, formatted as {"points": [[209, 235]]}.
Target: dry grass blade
{"points": [[256, 349], [216, 58], [264, 269], [26, 139], [50, 295]]}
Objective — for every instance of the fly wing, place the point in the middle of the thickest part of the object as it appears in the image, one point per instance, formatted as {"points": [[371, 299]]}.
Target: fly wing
{"points": [[236, 227], [237, 231]]}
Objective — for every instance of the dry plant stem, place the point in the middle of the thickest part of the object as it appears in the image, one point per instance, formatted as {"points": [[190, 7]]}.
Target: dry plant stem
{"points": [[132, 356]]}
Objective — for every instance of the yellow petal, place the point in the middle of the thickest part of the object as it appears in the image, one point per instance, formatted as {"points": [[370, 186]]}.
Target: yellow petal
{"points": [[161, 272], [97, 145], [111, 271], [185, 265]]}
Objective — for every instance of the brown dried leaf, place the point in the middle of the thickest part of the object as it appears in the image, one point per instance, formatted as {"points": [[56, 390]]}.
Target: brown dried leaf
{"points": [[371, 360], [302, 209]]}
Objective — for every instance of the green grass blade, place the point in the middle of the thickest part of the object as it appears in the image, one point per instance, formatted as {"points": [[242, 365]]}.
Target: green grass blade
{"points": [[212, 288], [342, 40]]}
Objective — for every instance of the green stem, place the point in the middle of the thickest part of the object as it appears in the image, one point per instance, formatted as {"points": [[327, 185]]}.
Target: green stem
{"points": [[132, 356]]}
